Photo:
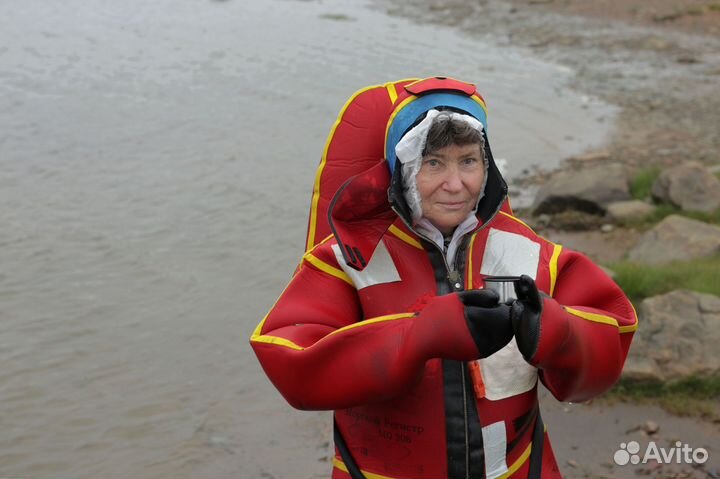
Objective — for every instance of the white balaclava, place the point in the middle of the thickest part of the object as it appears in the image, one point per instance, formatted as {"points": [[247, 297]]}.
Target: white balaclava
{"points": [[409, 151]]}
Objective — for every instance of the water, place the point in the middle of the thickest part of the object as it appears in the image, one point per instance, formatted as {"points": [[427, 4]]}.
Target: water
{"points": [[156, 161]]}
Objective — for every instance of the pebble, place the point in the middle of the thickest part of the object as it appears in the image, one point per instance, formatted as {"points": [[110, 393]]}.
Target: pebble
{"points": [[687, 60], [651, 427]]}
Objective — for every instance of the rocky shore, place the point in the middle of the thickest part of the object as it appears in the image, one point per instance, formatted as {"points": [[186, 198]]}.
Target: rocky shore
{"points": [[663, 226], [681, 327]]}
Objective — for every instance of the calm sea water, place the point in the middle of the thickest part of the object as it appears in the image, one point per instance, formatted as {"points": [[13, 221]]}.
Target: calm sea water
{"points": [[156, 162]]}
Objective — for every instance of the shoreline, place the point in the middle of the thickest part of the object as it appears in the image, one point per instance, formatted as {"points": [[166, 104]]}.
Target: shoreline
{"points": [[665, 81]]}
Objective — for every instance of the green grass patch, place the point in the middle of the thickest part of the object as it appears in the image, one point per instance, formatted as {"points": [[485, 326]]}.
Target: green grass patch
{"points": [[695, 10], [640, 281], [692, 396], [695, 387], [713, 217], [642, 182]]}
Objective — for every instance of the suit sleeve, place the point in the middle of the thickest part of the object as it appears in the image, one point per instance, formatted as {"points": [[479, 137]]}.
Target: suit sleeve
{"points": [[321, 352], [585, 331]]}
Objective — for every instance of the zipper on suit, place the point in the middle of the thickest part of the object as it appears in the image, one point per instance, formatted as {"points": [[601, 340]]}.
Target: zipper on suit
{"points": [[452, 275], [454, 278]]}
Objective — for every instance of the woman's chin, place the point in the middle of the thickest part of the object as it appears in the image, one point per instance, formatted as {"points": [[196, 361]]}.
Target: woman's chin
{"points": [[447, 226]]}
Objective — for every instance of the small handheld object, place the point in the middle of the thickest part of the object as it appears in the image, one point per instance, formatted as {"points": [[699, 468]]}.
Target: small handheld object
{"points": [[504, 286], [501, 279]]}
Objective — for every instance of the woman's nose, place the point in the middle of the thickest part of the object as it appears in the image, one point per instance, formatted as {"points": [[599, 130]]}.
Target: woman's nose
{"points": [[453, 181]]}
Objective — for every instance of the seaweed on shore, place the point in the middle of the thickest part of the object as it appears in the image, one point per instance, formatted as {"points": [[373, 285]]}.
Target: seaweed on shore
{"points": [[693, 396]]}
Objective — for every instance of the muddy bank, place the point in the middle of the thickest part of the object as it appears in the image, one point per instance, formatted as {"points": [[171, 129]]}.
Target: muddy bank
{"points": [[690, 16], [585, 438], [666, 81]]}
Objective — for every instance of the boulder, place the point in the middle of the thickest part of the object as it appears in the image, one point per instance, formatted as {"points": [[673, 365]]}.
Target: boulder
{"points": [[676, 238], [589, 190], [629, 210], [574, 220], [690, 187], [677, 336]]}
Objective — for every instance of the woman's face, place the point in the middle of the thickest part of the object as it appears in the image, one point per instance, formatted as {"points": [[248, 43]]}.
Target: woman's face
{"points": [[449, 183]]}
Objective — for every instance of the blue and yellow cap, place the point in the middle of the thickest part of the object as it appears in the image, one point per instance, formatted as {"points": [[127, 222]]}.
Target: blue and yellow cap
{"points": [[410, 111]]}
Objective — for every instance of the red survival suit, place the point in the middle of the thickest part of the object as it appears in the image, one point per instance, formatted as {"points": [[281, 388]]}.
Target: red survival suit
{"points": [[370, 325]]}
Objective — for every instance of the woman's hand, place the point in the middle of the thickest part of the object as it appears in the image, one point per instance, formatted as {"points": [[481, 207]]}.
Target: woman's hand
{"points": [[526, 311], [488, 319]]}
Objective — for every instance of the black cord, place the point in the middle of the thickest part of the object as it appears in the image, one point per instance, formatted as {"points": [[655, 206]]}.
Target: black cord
{"points": [[347, 458], [536, 453]]}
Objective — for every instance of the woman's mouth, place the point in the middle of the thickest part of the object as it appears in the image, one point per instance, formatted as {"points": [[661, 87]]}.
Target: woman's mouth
{"points": [[453, 205]]}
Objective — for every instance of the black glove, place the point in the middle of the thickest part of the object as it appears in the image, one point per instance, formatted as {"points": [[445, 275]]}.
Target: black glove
{"points": [[488, 320], [526, 311]]}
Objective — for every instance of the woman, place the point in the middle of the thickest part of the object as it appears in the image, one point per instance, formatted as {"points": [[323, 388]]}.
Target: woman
{"points": [[394, 322]]}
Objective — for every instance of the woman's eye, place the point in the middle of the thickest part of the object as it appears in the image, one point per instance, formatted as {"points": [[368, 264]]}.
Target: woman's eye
{"points": [[432, 163]]}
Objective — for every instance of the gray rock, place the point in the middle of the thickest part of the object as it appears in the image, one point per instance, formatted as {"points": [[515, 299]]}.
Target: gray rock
{"points": [[690, 187], [589, 190], [676, 238], [651, 427], [710, 304], [629, 210], [676, 338]]}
